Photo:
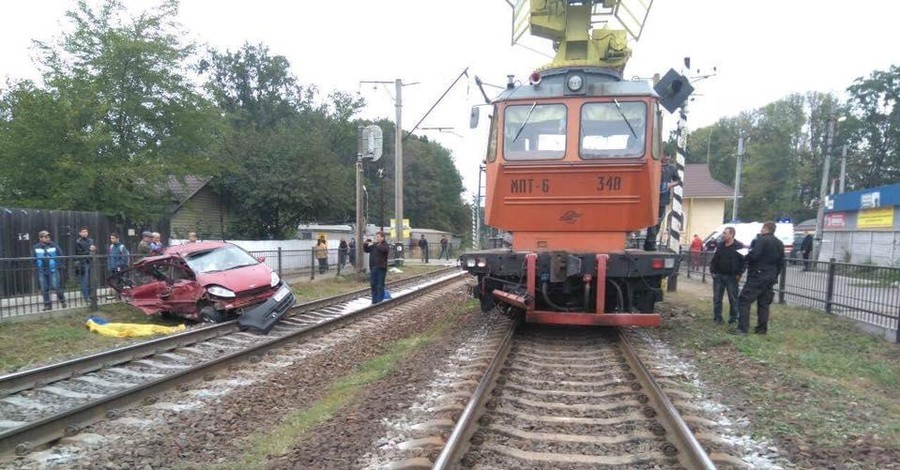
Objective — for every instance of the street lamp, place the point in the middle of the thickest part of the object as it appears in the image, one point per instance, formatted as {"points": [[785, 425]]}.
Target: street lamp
{"points": [[820, 214]]}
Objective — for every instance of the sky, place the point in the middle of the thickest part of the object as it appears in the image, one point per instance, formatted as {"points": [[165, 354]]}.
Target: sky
{"points": [[761, 51]]}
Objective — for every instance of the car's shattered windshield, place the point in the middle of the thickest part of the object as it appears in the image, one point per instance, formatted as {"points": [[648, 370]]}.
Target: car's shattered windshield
{"points": [[220, 259]]}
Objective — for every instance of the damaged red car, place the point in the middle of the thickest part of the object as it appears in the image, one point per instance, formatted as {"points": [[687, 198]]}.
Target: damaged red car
{"points": [[207, 282]]}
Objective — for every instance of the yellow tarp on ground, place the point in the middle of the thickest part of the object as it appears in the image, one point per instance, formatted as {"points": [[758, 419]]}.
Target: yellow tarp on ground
{"points": [[128, 330]]}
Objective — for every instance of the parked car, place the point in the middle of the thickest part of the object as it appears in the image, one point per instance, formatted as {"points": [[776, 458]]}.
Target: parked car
{"points": [[207, 281], [746, 232]]}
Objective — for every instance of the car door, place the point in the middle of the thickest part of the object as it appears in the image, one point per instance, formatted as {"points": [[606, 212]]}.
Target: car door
{"points": [[183, 290], [142, 285]]}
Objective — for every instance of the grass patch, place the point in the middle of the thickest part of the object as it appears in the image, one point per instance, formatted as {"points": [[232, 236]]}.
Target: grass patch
{"points": [[279, 440], [815, 377], [30, 343]]}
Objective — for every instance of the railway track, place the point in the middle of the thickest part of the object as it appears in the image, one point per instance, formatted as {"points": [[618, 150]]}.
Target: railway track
{"points": [[41, 405], [569, 398]]}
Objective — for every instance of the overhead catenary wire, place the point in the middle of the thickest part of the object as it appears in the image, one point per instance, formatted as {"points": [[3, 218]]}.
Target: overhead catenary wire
{"points": [[465, 72]]}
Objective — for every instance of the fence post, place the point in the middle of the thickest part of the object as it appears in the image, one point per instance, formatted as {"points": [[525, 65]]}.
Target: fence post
{"points": [[93, 280], [672, 282], [312, 269], [279, 262], [702, 269], [781, 284], [829, 286]]}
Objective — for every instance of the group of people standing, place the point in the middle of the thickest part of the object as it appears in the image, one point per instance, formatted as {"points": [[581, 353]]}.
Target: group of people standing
{"points": [[346, 253], [49, 260], [424, 251], [763, 263]]}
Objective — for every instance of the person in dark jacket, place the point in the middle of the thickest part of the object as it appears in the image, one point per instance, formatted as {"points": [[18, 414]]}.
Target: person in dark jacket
{"points": [[117, 257], [764, 262], [423, 248], [46, 257], [806, 247], [378, 255], [669, 180], [143, 248], [445, 245], [727, 266], [342, 253], [351, 251], [84, 248]]}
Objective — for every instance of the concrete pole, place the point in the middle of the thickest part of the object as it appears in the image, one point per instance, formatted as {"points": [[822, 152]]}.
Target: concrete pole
{"points": [[737, 179], [843, 167], [826, 170], [398, 169], [360, 224]]}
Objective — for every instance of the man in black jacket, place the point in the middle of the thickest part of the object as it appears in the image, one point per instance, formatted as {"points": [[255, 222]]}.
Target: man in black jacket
{"points": [[378, 255], [726, 266], [668, 181], [764, 262], [805, 249], [84, 248]]}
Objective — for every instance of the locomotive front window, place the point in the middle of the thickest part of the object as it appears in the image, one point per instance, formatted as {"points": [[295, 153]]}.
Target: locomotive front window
{"points": [[534, 132], [615, 129]]}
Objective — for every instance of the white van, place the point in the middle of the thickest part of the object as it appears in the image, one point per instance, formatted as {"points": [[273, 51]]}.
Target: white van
{"points": [[746, 232]]}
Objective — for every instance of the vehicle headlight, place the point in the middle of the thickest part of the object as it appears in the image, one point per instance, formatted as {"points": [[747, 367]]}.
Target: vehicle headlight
{"points": [[575, 82], [274, 279], [470, 262], [220, 291], [482, 262]]}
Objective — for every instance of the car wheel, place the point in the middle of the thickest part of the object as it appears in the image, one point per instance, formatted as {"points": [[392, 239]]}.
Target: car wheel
{"points": [[209, 314]]}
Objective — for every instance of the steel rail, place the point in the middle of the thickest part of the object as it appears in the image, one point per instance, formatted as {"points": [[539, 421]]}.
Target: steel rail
{"points": [[691, 454], [24, 380], [458, 441], [23, 439]]}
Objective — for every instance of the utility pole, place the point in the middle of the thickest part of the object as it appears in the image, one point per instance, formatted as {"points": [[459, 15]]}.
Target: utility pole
{"points": [[737, 179], [381, 180], [360, 223], [843, 167], [398, 168], [826, 170], [398, 154]]}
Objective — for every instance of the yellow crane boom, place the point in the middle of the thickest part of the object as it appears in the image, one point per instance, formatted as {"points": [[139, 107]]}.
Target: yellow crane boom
{"points": [[586, 33]]}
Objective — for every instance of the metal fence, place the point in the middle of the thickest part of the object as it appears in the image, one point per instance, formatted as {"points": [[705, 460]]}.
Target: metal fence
{"points": [[866, 293], [21, 293], [83, 281]]}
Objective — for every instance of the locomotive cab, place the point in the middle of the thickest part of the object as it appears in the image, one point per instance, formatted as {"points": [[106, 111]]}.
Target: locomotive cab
{"points": [[573, 166]]}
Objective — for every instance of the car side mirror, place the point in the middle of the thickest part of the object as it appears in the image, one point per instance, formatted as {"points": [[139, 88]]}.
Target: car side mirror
{"points": [[261, 259]]}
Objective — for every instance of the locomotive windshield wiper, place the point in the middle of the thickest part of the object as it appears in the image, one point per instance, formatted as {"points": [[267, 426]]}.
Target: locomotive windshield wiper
{"points": [[619, 108], [525, 122]]}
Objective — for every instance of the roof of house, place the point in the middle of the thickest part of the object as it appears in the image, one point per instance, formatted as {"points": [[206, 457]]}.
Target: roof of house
{"points": [[698, 183], [184, 191]]}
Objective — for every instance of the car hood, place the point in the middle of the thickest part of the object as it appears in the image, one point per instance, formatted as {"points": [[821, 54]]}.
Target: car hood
{"points": [[239, 279]]}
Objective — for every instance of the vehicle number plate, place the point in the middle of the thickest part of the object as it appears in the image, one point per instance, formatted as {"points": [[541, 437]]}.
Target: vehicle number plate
{"points": [[282, 293]]}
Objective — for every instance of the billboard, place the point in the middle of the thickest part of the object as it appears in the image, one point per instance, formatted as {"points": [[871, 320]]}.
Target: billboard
{"points": [[876, 218]]}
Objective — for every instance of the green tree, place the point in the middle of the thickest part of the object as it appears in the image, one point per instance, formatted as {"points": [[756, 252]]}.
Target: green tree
{"points": [[874, 133], [281, 157], [123, 116]]}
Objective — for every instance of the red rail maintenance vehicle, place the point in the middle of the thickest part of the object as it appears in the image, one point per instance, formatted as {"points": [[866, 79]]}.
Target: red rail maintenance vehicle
{"points": [[573, 166]]}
